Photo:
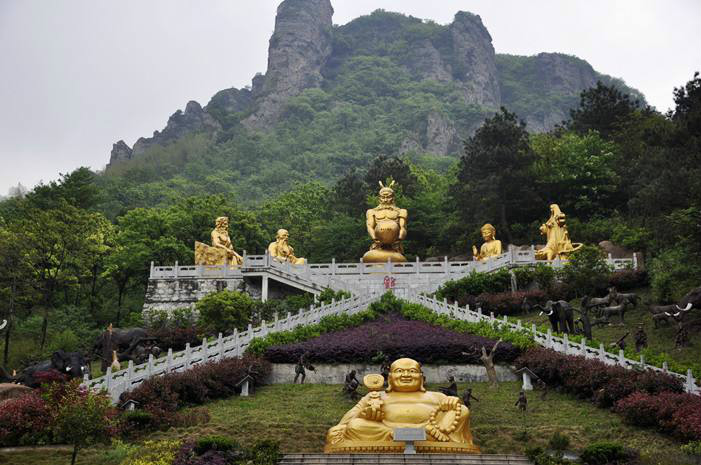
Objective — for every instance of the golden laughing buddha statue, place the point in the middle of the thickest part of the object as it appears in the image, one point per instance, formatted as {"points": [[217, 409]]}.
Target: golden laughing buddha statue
{"points": [[369, 426]]}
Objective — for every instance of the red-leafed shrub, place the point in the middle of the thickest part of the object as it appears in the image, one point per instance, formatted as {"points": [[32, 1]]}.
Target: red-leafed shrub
{"points": [[587, 378], [679, 414], [395, 337], [625, 280], [50, 376], [24, 420], [200, 384], [647, 398], [510, 303], [175, 338]]}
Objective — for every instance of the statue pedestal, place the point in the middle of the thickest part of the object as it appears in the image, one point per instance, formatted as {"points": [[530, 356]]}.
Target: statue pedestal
{"points": [[383, 256]]}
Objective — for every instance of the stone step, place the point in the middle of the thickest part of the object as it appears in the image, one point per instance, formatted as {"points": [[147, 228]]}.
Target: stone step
{"points": [[401, 459]]}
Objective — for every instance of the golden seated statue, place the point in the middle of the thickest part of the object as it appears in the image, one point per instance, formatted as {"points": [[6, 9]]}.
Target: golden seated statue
{"points": [[491, 246], [559, 244], [386, 225], [221, 252], [282, 251], [369, 426]]}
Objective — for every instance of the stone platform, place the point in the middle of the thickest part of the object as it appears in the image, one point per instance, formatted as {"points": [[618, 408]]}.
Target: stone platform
{"points": [[402, 459]]}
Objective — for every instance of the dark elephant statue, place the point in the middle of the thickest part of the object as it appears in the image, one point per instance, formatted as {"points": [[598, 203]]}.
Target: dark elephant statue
{"points": [[560, 314], [72, 364], [124, 340], [690, 300]]}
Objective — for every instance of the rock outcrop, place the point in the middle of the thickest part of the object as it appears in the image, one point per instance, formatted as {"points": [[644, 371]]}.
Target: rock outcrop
{"points": [[473, 60], [229, 101], [298, 49], [193, 119], [120, 152]]}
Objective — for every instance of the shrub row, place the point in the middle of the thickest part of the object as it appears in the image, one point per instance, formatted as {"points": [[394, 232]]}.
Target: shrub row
{"points": [[644, 398], [592, 379], [202, 383], [219, 450], [671, 412], [510, 303], [389, 305], [397, 337]]}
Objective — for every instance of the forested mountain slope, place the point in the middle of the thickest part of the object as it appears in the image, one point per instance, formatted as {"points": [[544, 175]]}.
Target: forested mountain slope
{"points": [[335, 97]]}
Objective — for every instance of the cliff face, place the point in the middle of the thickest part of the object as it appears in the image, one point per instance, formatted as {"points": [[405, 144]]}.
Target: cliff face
{"points": [[298, 50], [456, 70], [181, 123], [474, 64]]}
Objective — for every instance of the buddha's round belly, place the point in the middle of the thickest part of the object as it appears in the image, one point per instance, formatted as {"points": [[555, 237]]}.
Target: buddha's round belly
{"points": [[408, 414]]}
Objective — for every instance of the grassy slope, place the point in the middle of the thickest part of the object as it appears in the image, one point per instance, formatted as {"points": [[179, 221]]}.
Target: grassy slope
{"points": [[298, 416], [660, 340]]}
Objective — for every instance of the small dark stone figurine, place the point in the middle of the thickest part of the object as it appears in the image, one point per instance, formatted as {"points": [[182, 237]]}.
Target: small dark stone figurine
{"points": [[350, 385], [682, 339], [640, 338], [451, 390], [300, 368], [621, 343], [384, 369], [522, 402], [466, 396]]}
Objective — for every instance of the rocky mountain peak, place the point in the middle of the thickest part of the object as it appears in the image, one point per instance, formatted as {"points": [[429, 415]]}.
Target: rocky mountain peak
{"points": [[298, 49], [120, 152], [473, 60]]}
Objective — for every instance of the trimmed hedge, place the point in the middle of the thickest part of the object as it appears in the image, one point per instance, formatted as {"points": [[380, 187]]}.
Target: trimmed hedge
{"points": [[397, 337], [670, 412], [389, 304], [643, 398], [202, 383]]}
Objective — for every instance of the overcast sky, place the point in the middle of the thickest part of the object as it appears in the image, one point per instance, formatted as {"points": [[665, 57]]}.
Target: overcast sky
{"points": [[78, 75]]}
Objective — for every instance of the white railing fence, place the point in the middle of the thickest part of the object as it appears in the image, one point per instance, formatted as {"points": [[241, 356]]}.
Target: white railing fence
{"points": [[548, 340], [311, 271], [222, 347]]}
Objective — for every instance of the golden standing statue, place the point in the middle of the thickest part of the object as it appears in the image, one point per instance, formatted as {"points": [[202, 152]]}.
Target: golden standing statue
{"points": [[282, 251], [369, 426], [491, 246], [559, 244], [221, 252], [386, 225]]}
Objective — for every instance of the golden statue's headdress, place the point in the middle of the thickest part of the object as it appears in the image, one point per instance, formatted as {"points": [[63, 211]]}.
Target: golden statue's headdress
{"points": [[389, 187]]}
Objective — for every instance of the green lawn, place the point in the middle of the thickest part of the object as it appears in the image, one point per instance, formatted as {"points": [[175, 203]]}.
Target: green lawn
{"points": [[298, 417]]}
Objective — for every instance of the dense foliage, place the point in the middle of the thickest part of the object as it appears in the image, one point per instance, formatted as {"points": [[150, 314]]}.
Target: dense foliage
{"points": [[162, 395], [59, 413], [396, 337]]}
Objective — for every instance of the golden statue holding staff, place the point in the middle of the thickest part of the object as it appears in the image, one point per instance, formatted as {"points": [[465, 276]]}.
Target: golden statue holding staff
{"points": [[386, 225], [221, 252], [369, 426], [282, 251], [559, 244], [491, 246]]}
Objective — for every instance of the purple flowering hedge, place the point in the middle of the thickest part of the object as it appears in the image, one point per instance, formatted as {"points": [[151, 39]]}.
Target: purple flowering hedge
{"points": [[395, 337]]}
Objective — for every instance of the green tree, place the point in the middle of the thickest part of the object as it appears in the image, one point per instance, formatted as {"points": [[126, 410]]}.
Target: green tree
{"points": [[382, 168], [576, 172], [225, 311], [80, 417], [602, 108], [493, 179], [586, 271]]}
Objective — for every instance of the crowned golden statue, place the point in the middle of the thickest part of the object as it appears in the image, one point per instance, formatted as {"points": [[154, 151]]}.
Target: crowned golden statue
{"points": [[559, 244], [282, 251], [221, 252], [369, 426], [491, 246], [386, 225]]}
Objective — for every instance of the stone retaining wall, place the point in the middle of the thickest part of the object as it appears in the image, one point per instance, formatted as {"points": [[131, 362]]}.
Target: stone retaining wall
{"points": [[283, 373]]}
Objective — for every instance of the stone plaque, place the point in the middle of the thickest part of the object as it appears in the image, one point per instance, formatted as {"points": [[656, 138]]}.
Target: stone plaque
{"points": [[409, 434]]}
